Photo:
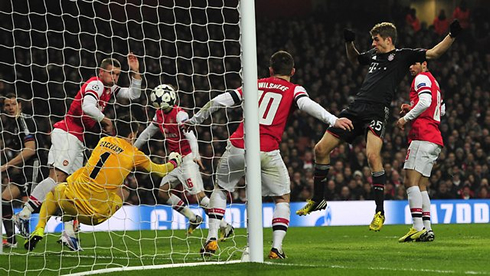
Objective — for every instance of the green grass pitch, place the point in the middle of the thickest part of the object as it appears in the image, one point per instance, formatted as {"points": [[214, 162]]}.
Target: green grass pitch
{"points": [[352, 250]]}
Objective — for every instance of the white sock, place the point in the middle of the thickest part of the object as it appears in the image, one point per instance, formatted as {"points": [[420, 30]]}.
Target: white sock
{"points": [[415, 203], [205, 205], [204, 202], [69, 228], [280, 224], [179, 206], [426, 210], [37, 197], [43, 188], [217, 207]]}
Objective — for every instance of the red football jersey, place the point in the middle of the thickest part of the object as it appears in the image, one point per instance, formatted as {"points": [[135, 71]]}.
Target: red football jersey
{"points": [[426, 126], [276, 98], [76, 122], [169, 126]]}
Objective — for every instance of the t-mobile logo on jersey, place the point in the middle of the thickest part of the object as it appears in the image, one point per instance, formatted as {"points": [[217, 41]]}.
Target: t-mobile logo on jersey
{"points": [[374, 66]]}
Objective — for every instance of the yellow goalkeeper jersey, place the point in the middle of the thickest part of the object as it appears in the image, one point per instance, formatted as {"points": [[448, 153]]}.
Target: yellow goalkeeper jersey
{"points": [[110, 163]]}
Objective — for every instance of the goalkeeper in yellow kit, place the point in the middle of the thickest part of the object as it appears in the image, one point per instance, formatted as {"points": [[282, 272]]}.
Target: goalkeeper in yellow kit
{"points": [[93, 193]]}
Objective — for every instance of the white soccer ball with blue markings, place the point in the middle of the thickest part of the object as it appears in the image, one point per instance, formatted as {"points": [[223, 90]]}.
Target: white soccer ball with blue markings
{"points": [[163, 96]]}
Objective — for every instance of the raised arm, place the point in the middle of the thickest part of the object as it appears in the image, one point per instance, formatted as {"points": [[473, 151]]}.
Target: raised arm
{"points": [[438, 50], [350, 49], [134, 90]]}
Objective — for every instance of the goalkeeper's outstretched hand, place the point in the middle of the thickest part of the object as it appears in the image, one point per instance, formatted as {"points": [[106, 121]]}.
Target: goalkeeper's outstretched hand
{"points": [[175, 158], [455, 28], [349, 35]]}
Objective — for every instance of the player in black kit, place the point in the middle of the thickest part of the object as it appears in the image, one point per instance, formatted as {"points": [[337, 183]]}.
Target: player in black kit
{"points": [[370, 108], [21, 163]]}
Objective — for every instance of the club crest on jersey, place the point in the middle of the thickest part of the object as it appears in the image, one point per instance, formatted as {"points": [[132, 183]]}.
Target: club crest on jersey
{"points": [[95, 87], [391, 57]]}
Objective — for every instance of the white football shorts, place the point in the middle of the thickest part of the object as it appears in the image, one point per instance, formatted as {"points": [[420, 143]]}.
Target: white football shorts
{"points": [[421, 156], [188, 174], [275, 176], [66, 152]]}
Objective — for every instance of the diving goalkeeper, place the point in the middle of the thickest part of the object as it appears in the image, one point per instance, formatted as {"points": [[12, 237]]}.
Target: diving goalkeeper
{"points": [[95, 192]]}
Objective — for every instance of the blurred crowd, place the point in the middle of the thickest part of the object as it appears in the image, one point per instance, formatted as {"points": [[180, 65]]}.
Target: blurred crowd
{"points": [[195, 59]]}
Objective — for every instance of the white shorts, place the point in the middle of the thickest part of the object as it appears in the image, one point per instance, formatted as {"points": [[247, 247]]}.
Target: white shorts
{"points": [[274, 174], [188, 174], [421, 156], [66, 152]]}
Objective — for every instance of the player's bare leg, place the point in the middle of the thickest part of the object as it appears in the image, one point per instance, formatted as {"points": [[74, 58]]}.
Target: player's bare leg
{"points": [[322, 165]]}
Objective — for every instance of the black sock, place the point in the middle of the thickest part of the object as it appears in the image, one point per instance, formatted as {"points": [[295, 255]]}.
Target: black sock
{"points": [[320, 181], [379, 180], [7, 212]]}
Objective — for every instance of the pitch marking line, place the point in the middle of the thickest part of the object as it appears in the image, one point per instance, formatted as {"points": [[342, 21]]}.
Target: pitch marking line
{"points": [[133, 268]]}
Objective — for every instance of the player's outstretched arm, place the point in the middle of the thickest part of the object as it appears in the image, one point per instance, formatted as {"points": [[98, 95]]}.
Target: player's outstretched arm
{"points": [[149, 131], [352, 53], [314, 109], [438, 50], [222, 100], [27, 152], [344, 124], [175, 159]]}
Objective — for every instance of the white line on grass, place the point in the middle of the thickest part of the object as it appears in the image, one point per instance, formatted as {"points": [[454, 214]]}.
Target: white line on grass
{"points": [[133, 268], [387, 268]]}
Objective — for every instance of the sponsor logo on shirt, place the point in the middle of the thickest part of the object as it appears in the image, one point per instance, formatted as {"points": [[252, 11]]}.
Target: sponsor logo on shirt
{"points": [[422, 84]]}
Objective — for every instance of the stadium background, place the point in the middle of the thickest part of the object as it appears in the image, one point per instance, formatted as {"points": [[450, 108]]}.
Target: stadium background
{"points": [[48, 67]]}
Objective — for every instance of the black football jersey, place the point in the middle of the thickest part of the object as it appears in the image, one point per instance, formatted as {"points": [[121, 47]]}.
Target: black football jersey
{"points": [[385, 73], [17, 131]]}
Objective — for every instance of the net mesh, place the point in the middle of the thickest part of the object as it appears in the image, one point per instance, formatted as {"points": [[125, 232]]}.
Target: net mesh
{"points": [[48, 49]]}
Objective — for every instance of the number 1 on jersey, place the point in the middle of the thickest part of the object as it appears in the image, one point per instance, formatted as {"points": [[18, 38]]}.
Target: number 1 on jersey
{"points": [[99, 165]]}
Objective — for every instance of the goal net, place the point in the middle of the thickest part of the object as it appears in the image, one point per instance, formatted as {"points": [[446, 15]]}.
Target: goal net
{"points": [[48, 49]]}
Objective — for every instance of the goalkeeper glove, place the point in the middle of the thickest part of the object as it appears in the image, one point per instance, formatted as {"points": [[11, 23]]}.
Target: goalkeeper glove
{"points": [[455, 28], [349, 35], [175, 158]]}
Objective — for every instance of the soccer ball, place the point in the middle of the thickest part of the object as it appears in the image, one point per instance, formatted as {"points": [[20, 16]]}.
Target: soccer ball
{"points": [[163, 96]]}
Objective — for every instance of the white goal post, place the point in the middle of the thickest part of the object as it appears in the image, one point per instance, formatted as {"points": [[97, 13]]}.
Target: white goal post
{"points": [[48, 49]]}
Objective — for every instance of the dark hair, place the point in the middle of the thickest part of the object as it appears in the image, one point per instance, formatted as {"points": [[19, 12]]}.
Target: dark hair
{"points": [[110, 61], [282, 63], [385, 30], [124, 126], [11, 96]]}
